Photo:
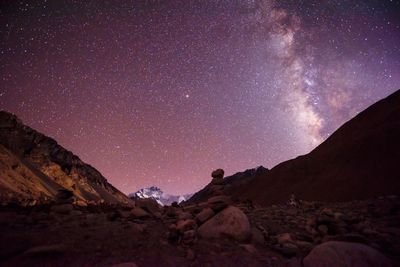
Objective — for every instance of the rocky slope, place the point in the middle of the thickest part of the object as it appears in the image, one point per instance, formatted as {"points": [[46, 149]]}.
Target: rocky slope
{"points": [[158, 195], [216, 232], [358, 161], [34, 167]]}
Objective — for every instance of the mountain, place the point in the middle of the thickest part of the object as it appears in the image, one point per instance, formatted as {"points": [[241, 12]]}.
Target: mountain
{"points": [[157, 194], [358, 161], [33, 166]]}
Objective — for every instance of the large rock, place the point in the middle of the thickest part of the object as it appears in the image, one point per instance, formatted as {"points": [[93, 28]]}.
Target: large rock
{"points": [[185, 225], [204, 215], [149, 205], [138, 212], [216, 187], [285, 238], [170, 211], [344, 254], [230, 222], [218, 203], [217, 199], [219, 174], [217, 182], [182, 215]]}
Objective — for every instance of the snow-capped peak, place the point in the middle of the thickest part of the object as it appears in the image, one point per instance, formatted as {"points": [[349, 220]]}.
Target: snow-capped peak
{"points": [[158, 195]]}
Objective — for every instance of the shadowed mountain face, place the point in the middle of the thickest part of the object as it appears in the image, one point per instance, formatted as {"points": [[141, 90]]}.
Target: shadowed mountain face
{"points": [[34, 166], [360, 160]]}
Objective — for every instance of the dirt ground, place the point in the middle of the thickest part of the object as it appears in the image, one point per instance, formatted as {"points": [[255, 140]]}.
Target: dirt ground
{"points": [[106, 236]]}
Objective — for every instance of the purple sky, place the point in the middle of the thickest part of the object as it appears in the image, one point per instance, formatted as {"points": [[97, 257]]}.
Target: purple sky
{"points": [[163, 92]]}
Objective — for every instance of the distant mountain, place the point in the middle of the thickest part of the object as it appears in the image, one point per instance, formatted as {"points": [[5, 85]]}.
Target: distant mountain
{"points": [[157, 194], [33, 166], [358, 161]]}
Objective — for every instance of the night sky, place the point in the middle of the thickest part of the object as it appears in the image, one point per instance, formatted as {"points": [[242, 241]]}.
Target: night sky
{"points": [[163, 92]]}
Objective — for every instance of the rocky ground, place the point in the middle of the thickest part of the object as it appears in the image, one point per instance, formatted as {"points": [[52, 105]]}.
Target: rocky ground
{"points": [[217, 232]]}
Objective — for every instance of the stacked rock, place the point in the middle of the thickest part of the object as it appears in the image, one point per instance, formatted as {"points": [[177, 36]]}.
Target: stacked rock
{"points": [[213, 218], [217, 183], [184, 230], [218, 200]]}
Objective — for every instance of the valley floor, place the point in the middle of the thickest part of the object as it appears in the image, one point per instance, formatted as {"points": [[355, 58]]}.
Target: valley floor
{"points": [[281, 235]]}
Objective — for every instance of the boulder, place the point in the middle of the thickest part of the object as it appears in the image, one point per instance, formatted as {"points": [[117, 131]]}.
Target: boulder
{"points": [[344, 254], [216, 187], [218, 173], [189, 237], [231, 222], [148, 204], [189, 234], [217, 199], [285, 238], [185, 225], [191, 208], [204, 215], [138, 212], [217, 181], [184, 215], [217, 207], [218, 203], [171, 211]]}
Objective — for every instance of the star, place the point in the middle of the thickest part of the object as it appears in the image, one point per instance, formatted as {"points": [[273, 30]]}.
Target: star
{"points": [[175, 91]]}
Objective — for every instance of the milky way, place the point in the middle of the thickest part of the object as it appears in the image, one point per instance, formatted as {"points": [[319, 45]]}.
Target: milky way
{"points": [[163, 92]]}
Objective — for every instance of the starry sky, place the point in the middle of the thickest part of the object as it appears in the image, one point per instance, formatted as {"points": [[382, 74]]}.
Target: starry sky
{"points": [[163, 92]]}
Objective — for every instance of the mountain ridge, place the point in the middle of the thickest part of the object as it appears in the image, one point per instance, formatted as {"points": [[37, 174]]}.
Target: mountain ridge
{"points": [[358, 161], [46, 159]]}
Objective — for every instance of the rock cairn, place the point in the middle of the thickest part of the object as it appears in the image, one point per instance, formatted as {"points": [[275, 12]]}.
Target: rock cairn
{"points": [[217, 182], [214, 218]]}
